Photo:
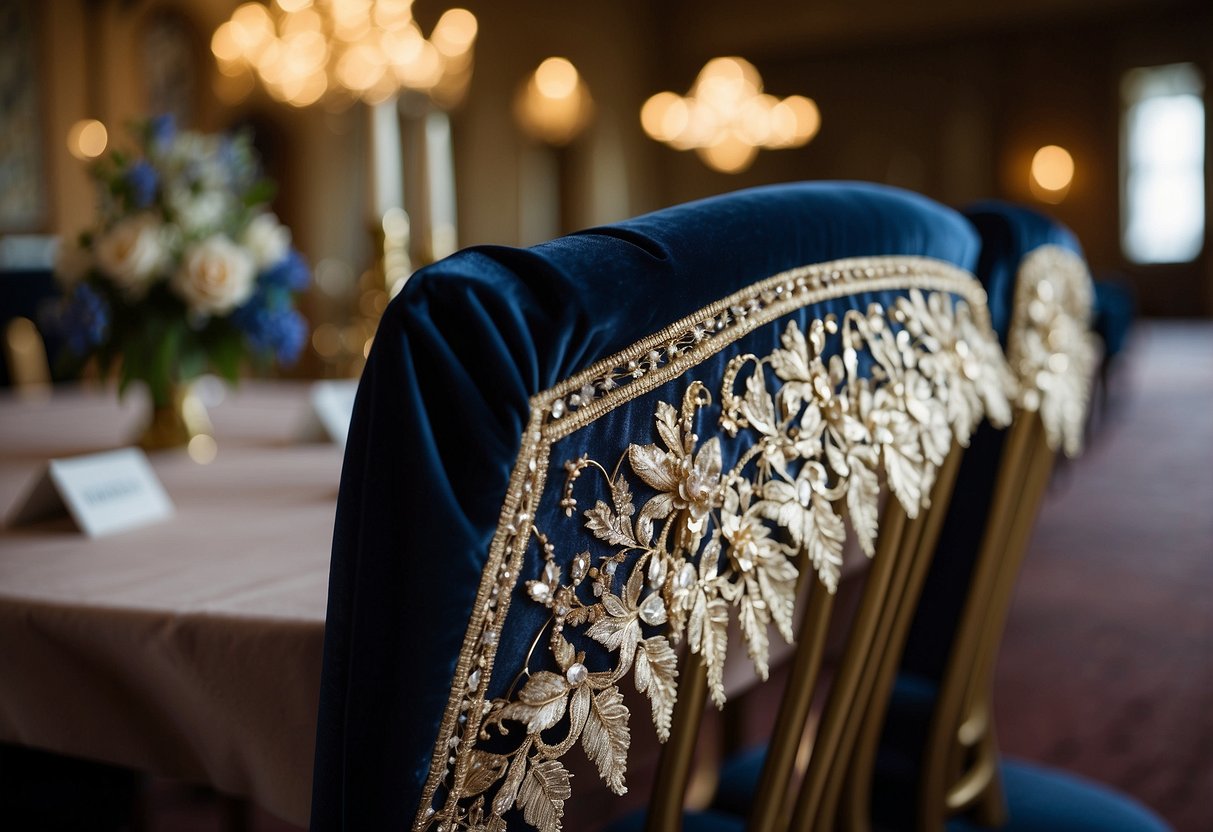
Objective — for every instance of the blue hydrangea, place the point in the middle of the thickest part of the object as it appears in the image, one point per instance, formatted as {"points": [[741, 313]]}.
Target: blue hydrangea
{"points": [[83, 319], [291, 272], [272, 328], [142, 179], [162, 130]]}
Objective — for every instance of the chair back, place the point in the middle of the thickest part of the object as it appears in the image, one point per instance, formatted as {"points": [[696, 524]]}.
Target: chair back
{"points": [[1040, 300], [568, 464]]}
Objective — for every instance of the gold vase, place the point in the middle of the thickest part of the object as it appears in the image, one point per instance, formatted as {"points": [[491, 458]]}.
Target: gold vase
{"points": [[176, 423]]}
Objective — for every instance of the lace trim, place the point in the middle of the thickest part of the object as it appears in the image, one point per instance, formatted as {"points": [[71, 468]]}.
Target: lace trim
{"points": [[812, 435], [1050, 347]]}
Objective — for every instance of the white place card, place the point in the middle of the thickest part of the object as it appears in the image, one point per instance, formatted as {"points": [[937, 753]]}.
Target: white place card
{"points": [[104, 493], [331, 409]]}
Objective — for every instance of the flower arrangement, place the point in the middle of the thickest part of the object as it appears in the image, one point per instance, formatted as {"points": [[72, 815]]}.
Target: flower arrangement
{"points": [[186, 270]]}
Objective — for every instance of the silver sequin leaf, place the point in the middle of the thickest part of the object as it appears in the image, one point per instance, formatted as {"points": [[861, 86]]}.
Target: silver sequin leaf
{"points": [[543, 793], [606, 737], [656, 675]]}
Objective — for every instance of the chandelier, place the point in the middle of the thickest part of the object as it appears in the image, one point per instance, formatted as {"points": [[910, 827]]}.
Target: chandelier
{"points": [[367, 50], [726, 118]]}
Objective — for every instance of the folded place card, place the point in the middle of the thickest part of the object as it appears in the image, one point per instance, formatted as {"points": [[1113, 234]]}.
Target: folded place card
{"points": [[331, 409], [104, 493]]}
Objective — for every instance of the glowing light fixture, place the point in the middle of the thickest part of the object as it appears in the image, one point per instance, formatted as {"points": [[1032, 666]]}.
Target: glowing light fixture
{"points": [[87, 139], [1052, 172], [369, 50], [726, 118], [554, 104]]}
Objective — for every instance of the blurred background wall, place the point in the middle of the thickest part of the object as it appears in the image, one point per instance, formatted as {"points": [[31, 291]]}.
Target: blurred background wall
{"points": [[949, 99]]}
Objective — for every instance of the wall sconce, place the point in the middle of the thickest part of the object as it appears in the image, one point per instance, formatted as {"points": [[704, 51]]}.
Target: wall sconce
{"points": [[368, 50], [554, 105], [1051, 174], [726, 118]]}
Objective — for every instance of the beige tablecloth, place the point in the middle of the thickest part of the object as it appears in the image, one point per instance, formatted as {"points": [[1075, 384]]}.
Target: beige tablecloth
{"points": [[190, 648]]}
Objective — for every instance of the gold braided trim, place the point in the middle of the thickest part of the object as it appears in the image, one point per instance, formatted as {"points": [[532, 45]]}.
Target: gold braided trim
{"points": [[1050, 347], [703, 544]]}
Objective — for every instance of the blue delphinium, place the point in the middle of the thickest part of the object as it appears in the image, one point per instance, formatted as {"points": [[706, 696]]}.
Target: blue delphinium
{"points": [[142, 180], [83, 320], [291, 273], [272, 327]]}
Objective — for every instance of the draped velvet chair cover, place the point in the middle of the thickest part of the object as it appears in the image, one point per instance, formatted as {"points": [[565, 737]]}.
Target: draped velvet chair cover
{"points": [[556, 453]]}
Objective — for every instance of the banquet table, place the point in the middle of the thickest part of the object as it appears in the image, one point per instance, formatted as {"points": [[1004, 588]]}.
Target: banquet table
{"points": [[190, 648]]}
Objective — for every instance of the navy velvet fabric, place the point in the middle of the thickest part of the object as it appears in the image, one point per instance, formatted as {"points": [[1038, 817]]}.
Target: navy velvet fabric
{"points": [[437, 428], [1046, 800], [1039, 799]]}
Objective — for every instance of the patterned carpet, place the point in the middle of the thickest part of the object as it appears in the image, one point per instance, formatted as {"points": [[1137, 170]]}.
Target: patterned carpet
{"points": [[1107, 665]]}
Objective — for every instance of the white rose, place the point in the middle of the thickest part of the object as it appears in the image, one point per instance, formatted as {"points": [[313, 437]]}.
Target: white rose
{"points": [[197, 212], [268, 240], [72, 262], [133, 252], [216, 276]]}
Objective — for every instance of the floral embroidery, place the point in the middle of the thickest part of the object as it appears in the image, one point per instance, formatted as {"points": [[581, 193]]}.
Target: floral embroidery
{"points": [[1050, 347], [812, 431]]}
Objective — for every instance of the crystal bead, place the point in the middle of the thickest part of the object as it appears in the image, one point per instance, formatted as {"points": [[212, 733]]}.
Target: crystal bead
{"points": [[610, 566], [581, 564], [539, 591], [489, 637], [576, 674], [474, 680], [587, 392], [685, 578], [551, 572], [557, 408]]}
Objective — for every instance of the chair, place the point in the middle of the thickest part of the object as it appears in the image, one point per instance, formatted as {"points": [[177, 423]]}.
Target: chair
{"points": [[938, 757], [933, 756], [571, 467]]}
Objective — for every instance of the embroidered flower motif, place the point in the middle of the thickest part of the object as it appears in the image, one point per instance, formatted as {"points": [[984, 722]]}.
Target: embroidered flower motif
{"points": [[809, 434]]}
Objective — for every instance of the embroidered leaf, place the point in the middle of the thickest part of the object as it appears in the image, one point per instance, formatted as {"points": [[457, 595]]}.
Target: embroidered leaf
{"points": [[563, 651], [621, 496], [863, 496], [792, 362], [757, 405], [541, 702], [667, 426], [606, 525], [618, 630], [513, 780], [715, 647], [657, 508], [754, 630], [606, 737], [484, 769], [656, 672], [653, 465], [543, 794], [824, 542], [777, 581]]}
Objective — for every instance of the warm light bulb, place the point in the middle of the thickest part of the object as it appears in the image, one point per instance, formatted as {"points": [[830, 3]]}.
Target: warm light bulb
{"points": [[556, 78], [87, 139], [1052, 168], [455, 32]]}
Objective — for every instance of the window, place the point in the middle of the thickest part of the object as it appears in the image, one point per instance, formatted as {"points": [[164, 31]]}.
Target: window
{"points": [[1163, 161]]}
